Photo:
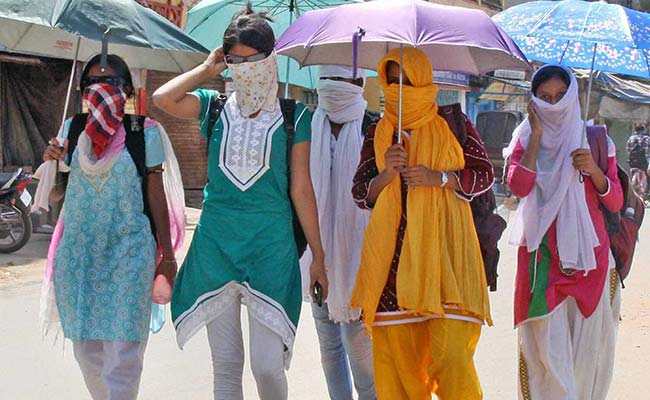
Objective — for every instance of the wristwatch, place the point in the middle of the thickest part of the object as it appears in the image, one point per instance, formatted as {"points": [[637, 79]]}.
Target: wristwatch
{"points": [[443, 179]]}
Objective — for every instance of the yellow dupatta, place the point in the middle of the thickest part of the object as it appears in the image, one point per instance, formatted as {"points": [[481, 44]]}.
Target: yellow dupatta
{"points": [[440, 263]]}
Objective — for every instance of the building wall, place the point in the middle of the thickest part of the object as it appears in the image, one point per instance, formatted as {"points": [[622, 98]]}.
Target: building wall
{"points": [[189, 145]]}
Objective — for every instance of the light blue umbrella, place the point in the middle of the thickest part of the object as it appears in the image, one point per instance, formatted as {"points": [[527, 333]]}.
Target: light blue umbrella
{"points": [[580, 34], [207, 22]]}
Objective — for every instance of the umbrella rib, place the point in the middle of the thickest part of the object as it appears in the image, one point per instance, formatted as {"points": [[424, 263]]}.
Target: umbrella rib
{"points": [[180, 68], [208, 16], [541, 20], [645, 55], [20, 39], [584, 23]]}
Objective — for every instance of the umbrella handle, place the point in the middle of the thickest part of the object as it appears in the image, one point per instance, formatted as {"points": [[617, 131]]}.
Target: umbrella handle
{"points": [[356, 39], [104, 58]]}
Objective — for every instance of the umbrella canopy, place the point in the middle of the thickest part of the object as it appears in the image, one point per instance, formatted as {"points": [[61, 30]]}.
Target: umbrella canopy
{"points": [[139, 35], [208, 20], [454, 38], [580, 34]]}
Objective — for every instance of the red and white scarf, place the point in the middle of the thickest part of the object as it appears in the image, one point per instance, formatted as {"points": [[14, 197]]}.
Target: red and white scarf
{"points": [[106, 104]]}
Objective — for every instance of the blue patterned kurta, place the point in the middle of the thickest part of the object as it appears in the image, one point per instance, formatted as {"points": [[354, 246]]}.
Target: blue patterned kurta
{"points": [[105, 262]]}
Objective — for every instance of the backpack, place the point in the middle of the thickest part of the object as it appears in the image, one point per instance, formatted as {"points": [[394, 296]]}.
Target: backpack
{"points": [[623, 226], [637, 157], [488, 224], [288, 108], [134, 143]]}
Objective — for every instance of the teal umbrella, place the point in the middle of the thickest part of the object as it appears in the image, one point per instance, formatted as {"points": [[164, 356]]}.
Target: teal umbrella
{"points": [[74, 29], [208, 20], [79, 29]]}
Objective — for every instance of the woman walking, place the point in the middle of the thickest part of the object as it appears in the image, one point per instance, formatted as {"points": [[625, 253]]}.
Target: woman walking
{"points": [[421, 283], [567, 300], [243, 250], [116, 231]]}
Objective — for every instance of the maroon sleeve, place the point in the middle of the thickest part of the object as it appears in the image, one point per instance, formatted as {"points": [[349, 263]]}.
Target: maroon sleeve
{"points": [[478, 175], [366, 172]]}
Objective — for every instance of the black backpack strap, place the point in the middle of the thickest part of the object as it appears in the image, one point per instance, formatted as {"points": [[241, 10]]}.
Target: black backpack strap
{"points": [[288, 108], [77, 125], [217, 103], [135, 145]]}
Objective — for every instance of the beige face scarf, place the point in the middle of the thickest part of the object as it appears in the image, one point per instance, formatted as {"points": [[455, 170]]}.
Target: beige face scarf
{"points": [[256, 84]]}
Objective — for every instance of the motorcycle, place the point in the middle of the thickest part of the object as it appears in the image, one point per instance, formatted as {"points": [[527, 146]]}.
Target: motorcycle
{"points": [[15, 202]]}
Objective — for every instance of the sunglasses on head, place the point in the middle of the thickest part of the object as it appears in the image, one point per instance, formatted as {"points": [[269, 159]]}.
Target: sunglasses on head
{"points": [[109, 80], [231, 59]]}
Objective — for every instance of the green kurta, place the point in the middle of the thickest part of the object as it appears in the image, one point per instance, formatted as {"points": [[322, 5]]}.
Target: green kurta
{"points": [[243, 247]]}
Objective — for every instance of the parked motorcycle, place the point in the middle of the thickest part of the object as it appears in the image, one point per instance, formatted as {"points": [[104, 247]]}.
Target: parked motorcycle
{"points": [[15, 202]]}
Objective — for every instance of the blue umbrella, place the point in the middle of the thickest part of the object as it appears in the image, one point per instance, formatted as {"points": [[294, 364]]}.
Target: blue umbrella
{"points": [[207, 21], [579, 34]]}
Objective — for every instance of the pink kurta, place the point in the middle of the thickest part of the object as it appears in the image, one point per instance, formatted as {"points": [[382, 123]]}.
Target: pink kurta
{"points": [[540, 287]]}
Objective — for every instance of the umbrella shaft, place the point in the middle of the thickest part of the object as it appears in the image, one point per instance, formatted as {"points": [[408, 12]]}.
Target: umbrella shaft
{"points": [[399, 104], [72, 74], [588, 96]]}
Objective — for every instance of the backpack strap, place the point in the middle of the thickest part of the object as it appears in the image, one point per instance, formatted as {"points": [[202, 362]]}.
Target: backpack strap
{"points": [[135, 142], [217, 103], [288, 108], [77, 125], [597, 138], [135, 145]]}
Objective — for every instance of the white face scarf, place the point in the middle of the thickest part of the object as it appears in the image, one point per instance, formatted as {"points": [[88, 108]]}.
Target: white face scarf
{"points": [[558, 193], [256, 84], [342, 223]]}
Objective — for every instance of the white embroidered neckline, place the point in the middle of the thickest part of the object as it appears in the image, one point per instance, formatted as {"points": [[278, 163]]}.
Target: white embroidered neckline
{"points": [[245, 153]]}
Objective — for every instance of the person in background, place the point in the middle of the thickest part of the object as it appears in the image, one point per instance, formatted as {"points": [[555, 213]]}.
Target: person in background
{"points": [[337, 137], [567, 294], [243, 250], [638, 158]]}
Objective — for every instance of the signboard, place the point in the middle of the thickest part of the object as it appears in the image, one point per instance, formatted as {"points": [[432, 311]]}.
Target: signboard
{"points": [[509, 74], [451, 78]]}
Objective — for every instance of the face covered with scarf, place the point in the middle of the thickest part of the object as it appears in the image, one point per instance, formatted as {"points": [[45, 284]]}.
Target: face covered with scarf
{"points": [[558, 193], [106, 104], [256, 84], [440, 262]]}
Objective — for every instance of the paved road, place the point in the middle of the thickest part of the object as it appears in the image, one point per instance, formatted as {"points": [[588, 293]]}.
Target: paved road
{"points": [[35, 368]]}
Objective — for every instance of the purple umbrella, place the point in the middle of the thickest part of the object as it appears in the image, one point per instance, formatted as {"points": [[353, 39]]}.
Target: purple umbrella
{"points": [[454, 38]]}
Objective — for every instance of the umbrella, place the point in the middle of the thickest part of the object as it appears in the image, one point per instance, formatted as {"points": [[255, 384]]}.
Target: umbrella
{"points": [[139, 35], [454, 38], [579, 34], [79, 29], [207, 21]]}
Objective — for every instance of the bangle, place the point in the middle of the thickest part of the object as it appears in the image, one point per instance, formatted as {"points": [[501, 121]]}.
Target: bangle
{"points": [[170, 261]]}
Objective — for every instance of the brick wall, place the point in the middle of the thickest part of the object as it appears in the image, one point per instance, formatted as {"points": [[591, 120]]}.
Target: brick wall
{"points": [[188, 143]]}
